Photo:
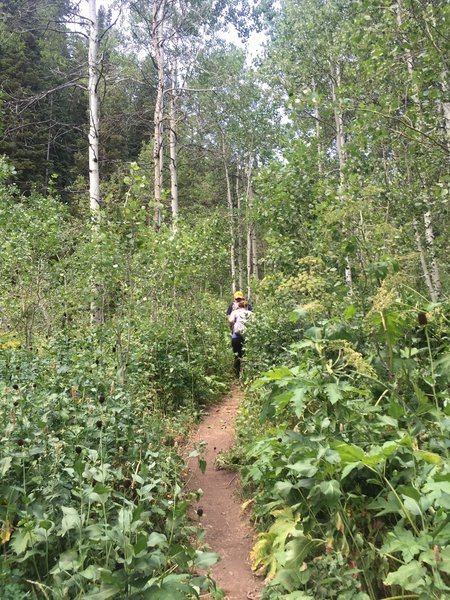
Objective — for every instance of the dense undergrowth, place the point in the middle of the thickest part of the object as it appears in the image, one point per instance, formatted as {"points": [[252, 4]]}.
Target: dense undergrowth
{"points": [[349, 474], [92, 501]]}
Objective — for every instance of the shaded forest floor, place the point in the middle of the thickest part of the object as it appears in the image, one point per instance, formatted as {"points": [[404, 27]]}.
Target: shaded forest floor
{"points": [[228, 531]]}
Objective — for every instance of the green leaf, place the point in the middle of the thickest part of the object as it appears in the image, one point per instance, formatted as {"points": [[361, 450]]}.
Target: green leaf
{"points": [[204, 560], [46, 524], [277, 374], [408, 577], [21, 539], [68, 561], [297, 550], [350, 312], [411, 505], [429, 457], [348, 469], [333, 392], [70, 520], [5, 464], [305, 468], [157, 539], [330, 489], [402, 540], [172, 587], [89, 573], [141, 543], [105, 592], [283, 488], [349, 453], [297, 314]]}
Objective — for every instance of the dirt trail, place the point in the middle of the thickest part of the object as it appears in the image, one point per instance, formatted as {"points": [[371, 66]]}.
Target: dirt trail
{"points": [[228, 531]]}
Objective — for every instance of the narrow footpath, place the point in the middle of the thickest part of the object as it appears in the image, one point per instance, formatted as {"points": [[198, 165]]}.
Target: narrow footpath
{"points": [[228, 531]]}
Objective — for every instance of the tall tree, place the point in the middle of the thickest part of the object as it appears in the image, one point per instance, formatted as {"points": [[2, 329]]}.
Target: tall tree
{"points": [[94, 118]]}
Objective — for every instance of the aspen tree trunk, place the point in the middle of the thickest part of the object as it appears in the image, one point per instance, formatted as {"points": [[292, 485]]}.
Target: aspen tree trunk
{"points": [[49, 142], [444, 104], [335, 72], [255, 269], [423, 260], [445, 107], [249, 259], [97, 313], [157, 43], [430, 245], [239, 234], [249, 230], [173, 146], [230, 217], [433, 275], [252, 250], [316, 113], [94, 178]]}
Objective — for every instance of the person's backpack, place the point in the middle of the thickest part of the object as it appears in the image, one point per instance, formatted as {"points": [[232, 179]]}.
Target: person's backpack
{"points": [[242, 317]]}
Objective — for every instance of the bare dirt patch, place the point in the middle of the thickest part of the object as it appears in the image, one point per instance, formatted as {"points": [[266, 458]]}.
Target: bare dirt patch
{"points": [[228, 531]]}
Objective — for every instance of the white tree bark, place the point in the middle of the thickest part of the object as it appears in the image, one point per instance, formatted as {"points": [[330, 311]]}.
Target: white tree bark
{"points": [[230, 217], [335, 72], [433, 276], [249, 259], [173, 146], [316, 113], [239, 234], [94, 75], [253, 239], [96, 309], [445, 107], [252, 247], [443, 104], [423, 260], [430, 245], [158, 57], [49, 143]]}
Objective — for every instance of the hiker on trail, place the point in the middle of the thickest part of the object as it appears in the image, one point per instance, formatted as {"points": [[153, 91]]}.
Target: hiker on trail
{"points": [[238, 319], [238, 296]]}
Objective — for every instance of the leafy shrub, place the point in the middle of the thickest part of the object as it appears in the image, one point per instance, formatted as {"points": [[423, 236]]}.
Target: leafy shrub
{"points": [[351, 474]]}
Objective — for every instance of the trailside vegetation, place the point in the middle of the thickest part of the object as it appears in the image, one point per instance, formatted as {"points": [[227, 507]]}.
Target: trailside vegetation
{"points": [[315, 180], [347, 361]]}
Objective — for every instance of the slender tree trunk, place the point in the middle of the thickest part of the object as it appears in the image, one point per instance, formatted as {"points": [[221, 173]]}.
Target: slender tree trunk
{"points": [[444, 104], [423, 260], [249, 258], [434, 276], [97, 315], [94, 177], [254, 254], [230, 218], [445, 107], [430, 245], [239, 233], [49, 143], [158, 52], [173, 146], [335, 72], [252, 249], [316, 113]]}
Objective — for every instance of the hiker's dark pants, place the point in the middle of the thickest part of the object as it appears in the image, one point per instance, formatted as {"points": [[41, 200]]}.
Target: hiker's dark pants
{"points": [[237, 343]]}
